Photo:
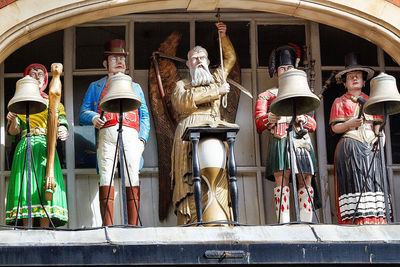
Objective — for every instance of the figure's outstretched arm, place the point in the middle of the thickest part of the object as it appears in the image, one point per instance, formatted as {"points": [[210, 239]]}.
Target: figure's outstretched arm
{"points": [[229, 55], [227, 49]]}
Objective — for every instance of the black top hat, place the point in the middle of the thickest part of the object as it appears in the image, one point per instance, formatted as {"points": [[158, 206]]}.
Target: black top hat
{"points": [[281, 56], [351, 64]]}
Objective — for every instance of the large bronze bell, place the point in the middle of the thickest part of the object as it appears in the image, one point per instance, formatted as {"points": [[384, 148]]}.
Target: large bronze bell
{"points": [[120, 95], [294, 92], [27, 95], [383, 92]]}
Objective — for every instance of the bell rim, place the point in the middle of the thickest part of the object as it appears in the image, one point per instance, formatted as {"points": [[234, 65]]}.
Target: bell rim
{"points": [[368, 107], [315, 103], [104, 101], [13, 106]]}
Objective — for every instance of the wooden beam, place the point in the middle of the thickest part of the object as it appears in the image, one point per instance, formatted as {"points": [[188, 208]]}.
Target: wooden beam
{"points": [[203, 5]]}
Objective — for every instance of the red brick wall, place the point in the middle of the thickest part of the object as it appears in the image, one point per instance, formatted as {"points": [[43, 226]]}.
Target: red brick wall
{"points": [[394, 2], [3, 3]]}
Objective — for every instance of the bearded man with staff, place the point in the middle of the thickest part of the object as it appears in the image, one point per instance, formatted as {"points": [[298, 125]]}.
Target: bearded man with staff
{"points": [[17, 197], [197, 102]]}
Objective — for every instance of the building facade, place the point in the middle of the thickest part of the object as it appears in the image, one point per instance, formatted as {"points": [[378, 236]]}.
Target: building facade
{"points": [[73, 33]]}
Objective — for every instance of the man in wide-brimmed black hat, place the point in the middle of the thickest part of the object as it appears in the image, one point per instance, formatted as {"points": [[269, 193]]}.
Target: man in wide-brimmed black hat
{"points": [[360, 197]]}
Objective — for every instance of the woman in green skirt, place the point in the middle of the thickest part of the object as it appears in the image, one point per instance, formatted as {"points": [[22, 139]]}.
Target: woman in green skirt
{"points": [[283, 59], [17, 197]]}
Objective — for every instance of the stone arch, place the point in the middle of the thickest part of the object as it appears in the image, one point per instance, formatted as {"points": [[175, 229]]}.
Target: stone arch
{"points": [[23, 21]]}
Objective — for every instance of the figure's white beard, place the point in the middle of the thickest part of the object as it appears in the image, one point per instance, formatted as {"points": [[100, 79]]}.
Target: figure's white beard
{"points": [[201, 76]]}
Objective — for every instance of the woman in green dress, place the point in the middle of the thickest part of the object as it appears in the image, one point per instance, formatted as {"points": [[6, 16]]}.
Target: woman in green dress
{"points": [[17, 192]]}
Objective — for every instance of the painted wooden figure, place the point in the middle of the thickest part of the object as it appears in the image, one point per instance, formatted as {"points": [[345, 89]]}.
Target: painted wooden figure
{"points": [[281, 60], [359, 185]]}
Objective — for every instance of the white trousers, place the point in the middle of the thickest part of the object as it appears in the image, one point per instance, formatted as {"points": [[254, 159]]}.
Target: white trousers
{"points": [[106, 150]]}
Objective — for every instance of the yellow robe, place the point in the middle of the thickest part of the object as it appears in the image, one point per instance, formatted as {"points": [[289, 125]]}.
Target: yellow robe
{"points": [[205, 112]]}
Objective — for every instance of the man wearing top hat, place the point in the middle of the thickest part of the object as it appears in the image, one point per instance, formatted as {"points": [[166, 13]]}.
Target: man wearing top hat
{"points": [[358, 178], [284, 59], [136, 127]]}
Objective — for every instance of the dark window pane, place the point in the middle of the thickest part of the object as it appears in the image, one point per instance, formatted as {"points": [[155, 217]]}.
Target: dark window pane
{"points": [[85, 144], [85, 147], [11, 141], [238, 32], [149, 36], [81, 85], [90, 44], [334, 91], [389, 61], [273, 36], [395, 127], [335, 44], [45, 50]]}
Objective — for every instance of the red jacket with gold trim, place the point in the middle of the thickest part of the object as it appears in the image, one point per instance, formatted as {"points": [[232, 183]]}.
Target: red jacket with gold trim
{"points": [[278, 129]]}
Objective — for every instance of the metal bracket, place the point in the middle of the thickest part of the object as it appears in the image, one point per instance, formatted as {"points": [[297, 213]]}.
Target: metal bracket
{"points": [[224, 254]]}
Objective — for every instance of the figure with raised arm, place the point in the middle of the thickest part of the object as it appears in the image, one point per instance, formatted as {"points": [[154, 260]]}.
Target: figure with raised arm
{"points": [[197, 102]]}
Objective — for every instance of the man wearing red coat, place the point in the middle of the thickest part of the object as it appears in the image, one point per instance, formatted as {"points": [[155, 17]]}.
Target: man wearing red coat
{"points": [[281, 60]]}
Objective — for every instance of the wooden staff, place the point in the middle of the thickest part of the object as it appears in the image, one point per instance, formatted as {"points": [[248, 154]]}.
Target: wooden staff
{"points": [[221, 56], [52, 128], [312, 75], [327, 83]]}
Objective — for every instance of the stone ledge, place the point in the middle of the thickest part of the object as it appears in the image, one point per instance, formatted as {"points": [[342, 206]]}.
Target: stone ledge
{"points": [[119, 245]]}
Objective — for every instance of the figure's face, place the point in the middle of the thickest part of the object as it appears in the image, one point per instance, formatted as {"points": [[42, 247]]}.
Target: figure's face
{"points": [[354, 81], [116, 64], [283, 69], [198, 60], [39, 75], [198, 66]]}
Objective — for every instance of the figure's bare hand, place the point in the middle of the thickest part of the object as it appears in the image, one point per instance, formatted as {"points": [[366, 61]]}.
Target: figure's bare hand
{"points": [[301, 118], [224, 89], [11, 116], [221, 28], [354, 123], [273, 118], [97, 122], [13, 127], [62, 133]]}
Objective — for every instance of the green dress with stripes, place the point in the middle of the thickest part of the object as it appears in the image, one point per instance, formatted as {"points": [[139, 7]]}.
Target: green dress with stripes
{"points": [[18, 186]]}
